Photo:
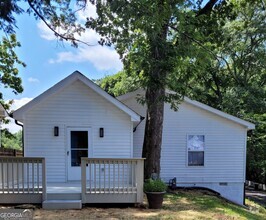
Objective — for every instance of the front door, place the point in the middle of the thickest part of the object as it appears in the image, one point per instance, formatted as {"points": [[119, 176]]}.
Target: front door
{"points": [[78, 146]]}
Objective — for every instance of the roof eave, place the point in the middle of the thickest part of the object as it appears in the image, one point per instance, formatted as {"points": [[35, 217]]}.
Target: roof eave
{"points": [[246, 124]]}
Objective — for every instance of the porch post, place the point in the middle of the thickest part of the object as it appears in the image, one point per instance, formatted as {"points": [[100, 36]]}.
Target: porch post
{"points": [[83, 179], [44, 193], [139, 172]]}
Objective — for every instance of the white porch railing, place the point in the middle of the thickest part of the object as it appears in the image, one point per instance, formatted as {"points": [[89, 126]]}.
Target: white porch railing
{"points": [[113, 180], [22, 180]]}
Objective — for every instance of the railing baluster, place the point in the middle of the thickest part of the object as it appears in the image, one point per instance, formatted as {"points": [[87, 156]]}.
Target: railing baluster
{"points": [[28, 176], [128, 163], [132, 176], [113, 176], [104, 175], [95, 177], [38, 183], [22, 179], [32, 168], [99, 165], [12, 178], [109, 177], [18, 177], [90, 174], [2, 174], [118, 177], [123, 179]]}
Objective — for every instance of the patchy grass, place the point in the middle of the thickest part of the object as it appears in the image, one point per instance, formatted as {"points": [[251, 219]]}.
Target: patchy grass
{"points": [[199, 205], [179, 205]]}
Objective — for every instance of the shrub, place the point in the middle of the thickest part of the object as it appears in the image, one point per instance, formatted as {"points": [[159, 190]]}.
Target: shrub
{"points": [[154, 186]]}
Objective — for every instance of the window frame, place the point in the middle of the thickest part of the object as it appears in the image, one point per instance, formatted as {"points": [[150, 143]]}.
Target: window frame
{"points": [[204, 151]]}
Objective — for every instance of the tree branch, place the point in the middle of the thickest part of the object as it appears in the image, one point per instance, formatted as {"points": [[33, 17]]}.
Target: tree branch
{"points": [[217, 57], [207, 8], [57, 34]]}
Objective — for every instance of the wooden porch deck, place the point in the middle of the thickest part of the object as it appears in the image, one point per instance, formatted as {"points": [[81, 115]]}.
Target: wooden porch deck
{"points": [[23, 180]]}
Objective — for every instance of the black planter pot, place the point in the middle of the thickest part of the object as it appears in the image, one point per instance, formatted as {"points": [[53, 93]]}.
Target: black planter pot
{"points": [[155, 199]]}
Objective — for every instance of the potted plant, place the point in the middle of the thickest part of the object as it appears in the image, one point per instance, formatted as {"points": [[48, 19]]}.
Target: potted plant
{"points": [[155, 190]]}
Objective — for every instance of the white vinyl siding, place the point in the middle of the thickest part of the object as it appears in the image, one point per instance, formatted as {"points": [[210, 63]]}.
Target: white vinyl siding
{"points": [[75, 106], [224, 154]]}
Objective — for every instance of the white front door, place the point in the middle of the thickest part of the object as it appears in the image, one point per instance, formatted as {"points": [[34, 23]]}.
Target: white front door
{"points": [[78, 146]]}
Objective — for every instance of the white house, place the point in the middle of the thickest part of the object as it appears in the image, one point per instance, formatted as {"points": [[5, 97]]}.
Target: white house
{"points": [[201, 146], [75, 118]]}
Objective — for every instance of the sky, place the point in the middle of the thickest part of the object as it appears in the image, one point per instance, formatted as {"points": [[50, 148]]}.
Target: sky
{"points": [[49, 60]]}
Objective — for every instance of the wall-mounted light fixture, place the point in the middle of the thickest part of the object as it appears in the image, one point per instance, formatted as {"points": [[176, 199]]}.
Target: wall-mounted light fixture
{"points": [[56, 131], [101, 132]]}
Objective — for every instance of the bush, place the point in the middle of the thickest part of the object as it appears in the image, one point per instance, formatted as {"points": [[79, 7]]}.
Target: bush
{"points": [[154, 186]]}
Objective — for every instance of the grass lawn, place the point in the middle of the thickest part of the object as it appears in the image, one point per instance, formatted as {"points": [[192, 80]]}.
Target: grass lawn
{"points": [[183, 204]]}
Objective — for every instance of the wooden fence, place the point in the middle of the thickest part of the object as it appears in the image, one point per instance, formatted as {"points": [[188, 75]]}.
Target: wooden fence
{"points": [[6, 152]]}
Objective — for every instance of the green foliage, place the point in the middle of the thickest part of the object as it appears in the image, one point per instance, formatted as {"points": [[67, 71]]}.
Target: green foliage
{"points": [[12, 141], [119, 83], [256, 150], [156, 185], [8, 65]]}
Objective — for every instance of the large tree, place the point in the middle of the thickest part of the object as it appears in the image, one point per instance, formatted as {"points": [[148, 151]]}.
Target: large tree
{"points": [[152, 37], [222, 65]]}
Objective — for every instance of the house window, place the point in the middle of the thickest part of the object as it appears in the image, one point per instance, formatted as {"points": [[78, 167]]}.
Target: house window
{"points": [[195, 147]]}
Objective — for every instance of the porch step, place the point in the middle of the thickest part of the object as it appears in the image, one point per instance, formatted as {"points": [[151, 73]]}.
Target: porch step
{"points": [[63, 196], [62, 204]]}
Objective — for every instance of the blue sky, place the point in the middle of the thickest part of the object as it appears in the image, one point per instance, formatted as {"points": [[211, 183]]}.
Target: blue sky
{"points": [[49, 60]]}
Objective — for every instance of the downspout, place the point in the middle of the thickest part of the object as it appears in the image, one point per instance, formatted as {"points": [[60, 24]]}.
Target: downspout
{"points": [[141, 119], [21, 125]]}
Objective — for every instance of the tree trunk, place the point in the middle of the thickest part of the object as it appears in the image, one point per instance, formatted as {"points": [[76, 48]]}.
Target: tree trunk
{"points": [[160, 51], [153, 131]]}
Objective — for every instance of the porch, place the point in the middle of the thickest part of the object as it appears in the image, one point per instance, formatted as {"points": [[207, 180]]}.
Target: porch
{"points": [[103, 180]]}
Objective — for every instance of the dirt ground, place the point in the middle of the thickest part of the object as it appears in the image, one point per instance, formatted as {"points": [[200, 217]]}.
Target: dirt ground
{"points": [[96, 213], [101, 212]]}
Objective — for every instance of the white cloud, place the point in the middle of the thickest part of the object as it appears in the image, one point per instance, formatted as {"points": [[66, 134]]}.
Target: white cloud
{"points": [[89, 11], [33, 80], [101, 57], [45, 32], [12, 127]]}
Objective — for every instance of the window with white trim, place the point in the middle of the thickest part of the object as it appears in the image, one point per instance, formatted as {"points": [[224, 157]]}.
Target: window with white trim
{"points": [[195, 147]]}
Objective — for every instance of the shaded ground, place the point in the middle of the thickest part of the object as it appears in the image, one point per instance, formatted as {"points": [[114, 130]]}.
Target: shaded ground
{"points": [[181, 204], [256, 196]]}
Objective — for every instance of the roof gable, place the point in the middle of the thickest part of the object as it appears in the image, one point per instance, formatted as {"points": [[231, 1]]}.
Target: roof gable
{"points": [[197, 104], [18, 114]]}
